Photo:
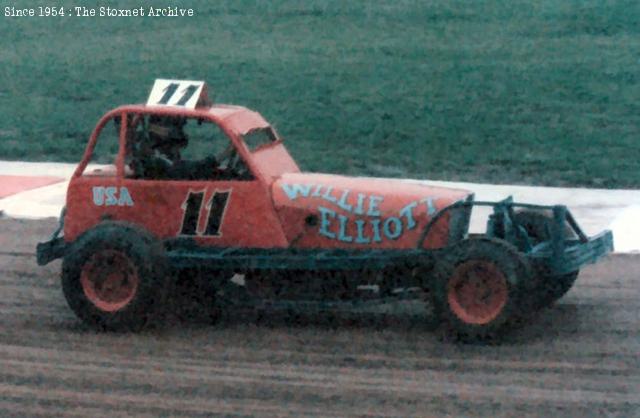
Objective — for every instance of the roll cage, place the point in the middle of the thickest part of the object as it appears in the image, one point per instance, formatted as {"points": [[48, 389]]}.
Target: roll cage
{"points": [[233, 121]]}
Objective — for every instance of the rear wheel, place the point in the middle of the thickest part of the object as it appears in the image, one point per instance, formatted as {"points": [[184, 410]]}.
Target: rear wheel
{"points": [[549, 287], [114, 277], [479, 288]]}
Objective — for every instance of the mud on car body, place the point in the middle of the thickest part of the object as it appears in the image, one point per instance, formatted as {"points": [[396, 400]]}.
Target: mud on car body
{"points": [[233, 201]]}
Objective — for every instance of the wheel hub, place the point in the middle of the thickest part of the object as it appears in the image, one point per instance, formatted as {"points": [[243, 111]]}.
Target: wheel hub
{"points": [[109, 280], [477, 292]]}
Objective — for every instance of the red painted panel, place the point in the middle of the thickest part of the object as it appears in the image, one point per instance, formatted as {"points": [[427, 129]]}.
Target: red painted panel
{"points": [[281, 208], [248, 220], [327, 211], [273, 160]]}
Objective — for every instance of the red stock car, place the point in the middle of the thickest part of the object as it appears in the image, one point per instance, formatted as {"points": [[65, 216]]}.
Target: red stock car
{"points": [[131, 227]]}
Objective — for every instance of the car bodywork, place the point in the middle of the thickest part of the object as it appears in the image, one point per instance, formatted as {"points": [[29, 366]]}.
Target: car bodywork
{"points": [[276, 218], [280, 208]]}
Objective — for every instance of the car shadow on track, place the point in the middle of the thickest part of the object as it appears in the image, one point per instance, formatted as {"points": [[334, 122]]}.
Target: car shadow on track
{"points": [[544, 326]]}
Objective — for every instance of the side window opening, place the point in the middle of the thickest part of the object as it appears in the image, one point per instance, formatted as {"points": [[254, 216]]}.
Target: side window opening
{"points": [[178, 148], [103, 158]]}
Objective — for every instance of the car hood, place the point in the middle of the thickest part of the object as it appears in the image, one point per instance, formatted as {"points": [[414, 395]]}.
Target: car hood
{"points": [[322, 210]]}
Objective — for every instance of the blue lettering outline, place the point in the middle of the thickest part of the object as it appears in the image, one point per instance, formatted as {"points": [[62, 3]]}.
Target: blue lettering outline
{"points": [[325, 222]]}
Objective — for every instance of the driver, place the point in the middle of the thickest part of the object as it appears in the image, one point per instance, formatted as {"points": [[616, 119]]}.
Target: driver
{"points": [[160, 152]]}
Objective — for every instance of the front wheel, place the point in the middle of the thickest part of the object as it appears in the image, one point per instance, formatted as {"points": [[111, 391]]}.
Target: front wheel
{"points": [[480, 288], [114, 277]]}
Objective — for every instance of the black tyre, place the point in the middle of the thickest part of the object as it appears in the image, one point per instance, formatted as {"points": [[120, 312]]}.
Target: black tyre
{"points": [[549, 288], [480, 288], [114, 277]]}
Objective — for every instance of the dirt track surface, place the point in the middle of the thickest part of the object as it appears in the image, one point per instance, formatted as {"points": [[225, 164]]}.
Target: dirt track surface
{"points": [[578, 358]]}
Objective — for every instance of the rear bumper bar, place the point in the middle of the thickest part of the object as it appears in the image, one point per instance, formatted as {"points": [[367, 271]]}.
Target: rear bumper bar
{"points": [[56, 247], [48, 251]]}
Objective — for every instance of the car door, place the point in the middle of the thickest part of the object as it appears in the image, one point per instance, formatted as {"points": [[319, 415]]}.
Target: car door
{"points": [[95, 191], [206, 193]]}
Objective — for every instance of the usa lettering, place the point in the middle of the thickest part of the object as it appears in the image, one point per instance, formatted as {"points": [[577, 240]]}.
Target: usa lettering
{"points": [[111, 196]]}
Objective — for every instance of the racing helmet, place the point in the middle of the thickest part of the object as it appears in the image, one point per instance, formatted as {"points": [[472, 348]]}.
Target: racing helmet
{"points": [[167, 131]]}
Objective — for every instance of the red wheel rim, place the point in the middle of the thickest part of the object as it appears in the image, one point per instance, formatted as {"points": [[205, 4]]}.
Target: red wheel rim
{"points": [[109, 280], [477, 292]]}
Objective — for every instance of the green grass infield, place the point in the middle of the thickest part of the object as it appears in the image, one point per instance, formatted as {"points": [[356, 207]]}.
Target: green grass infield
{"points": [[520, 92]]}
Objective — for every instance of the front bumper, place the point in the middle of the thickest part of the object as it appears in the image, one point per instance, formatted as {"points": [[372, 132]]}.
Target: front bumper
{"points": [[574, 254], [559, 255]]}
